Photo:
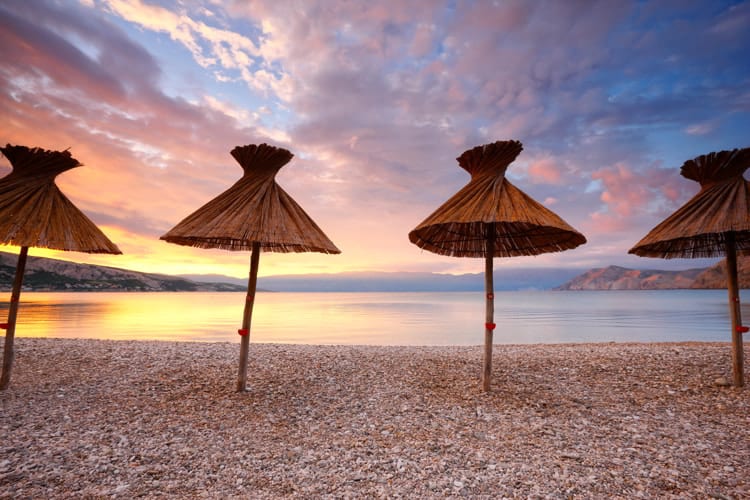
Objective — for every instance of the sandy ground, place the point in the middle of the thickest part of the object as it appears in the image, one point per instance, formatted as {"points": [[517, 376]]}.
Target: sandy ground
{"points": [[95, 419]]}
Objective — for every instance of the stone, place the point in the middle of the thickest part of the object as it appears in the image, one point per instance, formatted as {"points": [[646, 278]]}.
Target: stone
{"points": [[722, 382]]}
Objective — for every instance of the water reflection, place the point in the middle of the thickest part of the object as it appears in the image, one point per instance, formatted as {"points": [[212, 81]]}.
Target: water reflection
{"points": [[381, 318]]}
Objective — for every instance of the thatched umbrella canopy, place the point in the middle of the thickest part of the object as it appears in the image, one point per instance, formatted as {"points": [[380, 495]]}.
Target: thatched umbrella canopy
{"points": [[254, 214], [714, 223], [490, 217], [35, 213]]}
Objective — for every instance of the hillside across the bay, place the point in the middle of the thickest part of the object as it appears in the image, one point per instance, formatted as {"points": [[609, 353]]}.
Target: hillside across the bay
{"points": [[622, 278]]}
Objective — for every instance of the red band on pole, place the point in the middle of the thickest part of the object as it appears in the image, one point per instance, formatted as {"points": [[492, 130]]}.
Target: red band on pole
{"points": [[249, 298], [243, 331], [743, 329], [490, 295], [489, 326], [4, 326]]}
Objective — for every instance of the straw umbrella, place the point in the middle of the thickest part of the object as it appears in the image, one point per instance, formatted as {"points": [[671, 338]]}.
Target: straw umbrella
{"points": [[254, 214], [35, 213], [714, 223], [490, 217]]}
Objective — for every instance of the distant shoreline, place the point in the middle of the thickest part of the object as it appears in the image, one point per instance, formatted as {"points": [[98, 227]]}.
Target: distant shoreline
{"points": [[46, 274], [25, 291]]}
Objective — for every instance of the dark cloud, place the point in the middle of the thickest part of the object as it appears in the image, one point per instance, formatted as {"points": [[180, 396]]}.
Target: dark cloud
{"points": [[32, 51]]}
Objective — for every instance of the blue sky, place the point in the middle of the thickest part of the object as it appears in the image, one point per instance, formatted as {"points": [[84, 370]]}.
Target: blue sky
{"points": [[376, 100]]}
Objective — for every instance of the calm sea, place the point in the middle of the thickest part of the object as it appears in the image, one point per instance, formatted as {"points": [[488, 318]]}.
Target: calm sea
{"points": [[381, 318]]}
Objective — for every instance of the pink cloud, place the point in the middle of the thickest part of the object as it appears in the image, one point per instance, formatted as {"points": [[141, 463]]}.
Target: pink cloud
{"points": [[496, 17], [423, 41], [628, 192], [622, 194], [606, 223], [545, 170]]}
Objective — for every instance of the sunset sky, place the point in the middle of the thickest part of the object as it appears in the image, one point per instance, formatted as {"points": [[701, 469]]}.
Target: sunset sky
{"points": [[376, 100]]}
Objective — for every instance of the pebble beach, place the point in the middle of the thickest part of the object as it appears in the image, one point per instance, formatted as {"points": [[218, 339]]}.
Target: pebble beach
{"points": [[141, 419]]}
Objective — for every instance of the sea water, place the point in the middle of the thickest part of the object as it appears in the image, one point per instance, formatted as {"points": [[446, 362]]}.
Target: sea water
{"points": [[440, 318]]}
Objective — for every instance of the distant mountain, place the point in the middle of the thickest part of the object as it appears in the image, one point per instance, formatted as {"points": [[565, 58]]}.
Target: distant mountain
{"points": [[622, 278], [716, 275], [43, 274], [214, 278], [504, 279]]}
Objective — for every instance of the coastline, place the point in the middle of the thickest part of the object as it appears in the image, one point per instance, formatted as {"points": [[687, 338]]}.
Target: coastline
{"points": [[123, 419]]}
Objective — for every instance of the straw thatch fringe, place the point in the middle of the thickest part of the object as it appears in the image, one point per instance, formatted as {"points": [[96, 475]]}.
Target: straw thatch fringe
{"points": [[254, 209], [699, 228], [521, 225], [35, 213]]}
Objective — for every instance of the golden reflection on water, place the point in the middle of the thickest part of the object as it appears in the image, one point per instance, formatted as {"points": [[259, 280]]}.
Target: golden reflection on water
{"points": [[133, 316], [322, 318], [378, 318]]}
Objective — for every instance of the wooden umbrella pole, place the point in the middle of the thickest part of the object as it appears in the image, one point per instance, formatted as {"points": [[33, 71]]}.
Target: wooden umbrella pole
{"points": [[10, 331], [489, 325], [734, 312], [247, 317]]}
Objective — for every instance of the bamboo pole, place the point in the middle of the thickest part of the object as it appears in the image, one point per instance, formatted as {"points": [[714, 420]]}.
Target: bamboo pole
{"points": [[489, 324], [10, 331], [247, 317], [734, 312]]}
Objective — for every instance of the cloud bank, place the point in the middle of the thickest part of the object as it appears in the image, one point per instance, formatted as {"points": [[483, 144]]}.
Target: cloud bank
{"points": [[376, 101]]}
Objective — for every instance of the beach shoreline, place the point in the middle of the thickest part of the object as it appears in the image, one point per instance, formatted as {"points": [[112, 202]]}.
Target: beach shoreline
{"points": [[125, 419]]}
